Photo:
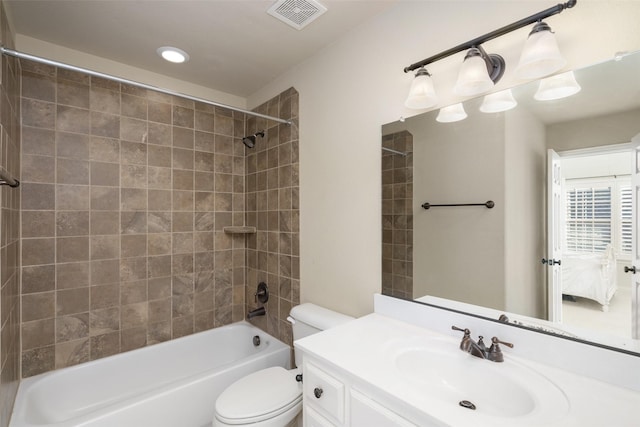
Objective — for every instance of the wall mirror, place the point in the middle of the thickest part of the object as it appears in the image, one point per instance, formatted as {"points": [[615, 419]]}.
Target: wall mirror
{"points": [[489, 261]]}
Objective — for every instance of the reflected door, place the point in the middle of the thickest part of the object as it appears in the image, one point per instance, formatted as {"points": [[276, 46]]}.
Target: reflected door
{"points": [[635, 251], [554, 238]]}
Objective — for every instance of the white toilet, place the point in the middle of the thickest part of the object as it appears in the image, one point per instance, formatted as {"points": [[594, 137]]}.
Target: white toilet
{"points": [[272, 397]]}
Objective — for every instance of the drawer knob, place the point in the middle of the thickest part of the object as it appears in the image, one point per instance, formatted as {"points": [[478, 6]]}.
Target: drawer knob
{"points": [[317, 392]]}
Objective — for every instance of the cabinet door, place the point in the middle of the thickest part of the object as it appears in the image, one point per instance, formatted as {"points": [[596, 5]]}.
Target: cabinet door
{"points": [[323, 392], [366, 413], [314, 419]]}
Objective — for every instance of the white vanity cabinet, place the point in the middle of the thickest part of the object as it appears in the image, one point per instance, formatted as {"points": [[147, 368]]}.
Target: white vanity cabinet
{"points": [[377, 371], [367, 412], [331, 399]]}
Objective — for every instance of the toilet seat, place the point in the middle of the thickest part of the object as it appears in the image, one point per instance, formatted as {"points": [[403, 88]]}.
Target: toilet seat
{"points": [[259, 396]]}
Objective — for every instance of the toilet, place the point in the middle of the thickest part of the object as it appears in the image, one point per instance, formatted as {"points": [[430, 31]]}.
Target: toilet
{"points": [[272, 397]]}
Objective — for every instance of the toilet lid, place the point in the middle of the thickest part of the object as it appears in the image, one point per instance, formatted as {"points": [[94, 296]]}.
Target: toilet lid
{"points": [[258, 396]]}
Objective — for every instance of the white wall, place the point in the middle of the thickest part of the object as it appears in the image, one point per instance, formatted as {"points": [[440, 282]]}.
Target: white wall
{"points": [[617, 128], [352, 87], [525, 183]]}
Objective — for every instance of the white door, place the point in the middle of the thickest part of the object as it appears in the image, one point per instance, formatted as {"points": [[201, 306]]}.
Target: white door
{"points": [[554, 236], [635, 250]]}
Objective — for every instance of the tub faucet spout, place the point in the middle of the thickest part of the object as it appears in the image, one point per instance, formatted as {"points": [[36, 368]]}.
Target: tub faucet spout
{"points": [[260, 311]]}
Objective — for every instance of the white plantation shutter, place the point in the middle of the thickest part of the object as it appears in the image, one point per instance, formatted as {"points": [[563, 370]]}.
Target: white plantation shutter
{"points": [[588, 221], [598, 213], [626, 219]]}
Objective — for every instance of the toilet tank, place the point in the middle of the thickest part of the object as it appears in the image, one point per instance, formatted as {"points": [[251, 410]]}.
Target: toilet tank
{"points": [[308, 319]]}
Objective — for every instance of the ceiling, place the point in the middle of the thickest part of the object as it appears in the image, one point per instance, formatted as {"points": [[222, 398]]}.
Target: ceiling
{"points": [[234, 45]]}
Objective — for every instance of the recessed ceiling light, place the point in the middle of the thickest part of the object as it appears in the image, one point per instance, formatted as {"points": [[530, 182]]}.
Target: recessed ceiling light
{"points": [[173, 54]]}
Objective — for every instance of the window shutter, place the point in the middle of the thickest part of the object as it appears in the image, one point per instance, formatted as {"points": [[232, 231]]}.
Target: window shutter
{"points": [[626, 219], [588, 220]]}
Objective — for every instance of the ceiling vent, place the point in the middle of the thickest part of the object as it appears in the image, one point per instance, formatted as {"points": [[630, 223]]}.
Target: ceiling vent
{"points": [[297, 13]]}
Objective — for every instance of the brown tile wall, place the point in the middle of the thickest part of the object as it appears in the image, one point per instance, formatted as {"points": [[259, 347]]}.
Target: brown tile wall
{"points": [[125, 196], [9, 227], [397, 216], [273, 253]]}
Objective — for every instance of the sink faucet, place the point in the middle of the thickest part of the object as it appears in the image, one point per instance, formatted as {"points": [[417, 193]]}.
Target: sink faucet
{"points": [[470, 346], [479, 349]]}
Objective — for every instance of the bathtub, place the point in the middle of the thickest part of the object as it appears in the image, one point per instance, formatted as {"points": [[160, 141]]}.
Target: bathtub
{"points": [[172, 384]]}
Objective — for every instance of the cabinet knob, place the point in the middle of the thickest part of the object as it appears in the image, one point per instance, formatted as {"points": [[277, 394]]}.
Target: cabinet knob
{"points": [[317, 392]]}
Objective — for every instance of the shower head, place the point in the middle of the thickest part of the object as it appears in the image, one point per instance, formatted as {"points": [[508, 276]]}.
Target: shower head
{"points": [[250, 141]]}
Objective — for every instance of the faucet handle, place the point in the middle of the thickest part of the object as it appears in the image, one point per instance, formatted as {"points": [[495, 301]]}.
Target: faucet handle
{"points": [[465, 344], [496, 341], [495, 352], [465, 330]]}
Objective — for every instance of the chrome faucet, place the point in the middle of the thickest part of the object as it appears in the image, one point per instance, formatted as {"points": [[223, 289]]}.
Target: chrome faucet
{"points": [[479, 349]]}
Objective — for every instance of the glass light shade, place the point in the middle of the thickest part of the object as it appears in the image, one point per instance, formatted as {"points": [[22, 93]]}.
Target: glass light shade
{"points": [[422, 94], [452, 113], [497, 102], [557, 87], [473, 78], [540, 55]]}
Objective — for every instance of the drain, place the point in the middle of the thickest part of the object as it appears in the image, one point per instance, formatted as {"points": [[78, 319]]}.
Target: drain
{"points": [[256, 340], [467, 404]]}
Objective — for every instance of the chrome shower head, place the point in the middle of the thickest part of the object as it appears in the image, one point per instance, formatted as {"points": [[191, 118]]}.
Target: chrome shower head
{"points": [[250, 141]]}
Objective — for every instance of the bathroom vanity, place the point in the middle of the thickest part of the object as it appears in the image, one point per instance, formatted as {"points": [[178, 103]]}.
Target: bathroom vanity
{"points": [[402, 366]]}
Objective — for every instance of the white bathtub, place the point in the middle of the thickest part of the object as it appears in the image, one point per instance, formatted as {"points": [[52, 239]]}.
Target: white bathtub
{"points": [[172, 384]]}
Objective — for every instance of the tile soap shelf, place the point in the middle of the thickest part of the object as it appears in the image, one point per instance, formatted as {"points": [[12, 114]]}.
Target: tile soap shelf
{"points": [[239, 230]]}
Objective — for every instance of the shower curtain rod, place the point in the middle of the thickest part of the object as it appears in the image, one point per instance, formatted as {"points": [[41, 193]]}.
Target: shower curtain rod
{"points": [[390, 150], [22, 55]]}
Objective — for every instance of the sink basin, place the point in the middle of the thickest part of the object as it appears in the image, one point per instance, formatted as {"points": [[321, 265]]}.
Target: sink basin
{"points": [[443, 374]]}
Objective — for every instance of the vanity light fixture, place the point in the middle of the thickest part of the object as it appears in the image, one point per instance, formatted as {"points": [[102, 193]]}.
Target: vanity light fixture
{"points": [[557, 87], [173, 54], [540, 55], [451, 113], [498, 102], [480, 71], [422, 93]]}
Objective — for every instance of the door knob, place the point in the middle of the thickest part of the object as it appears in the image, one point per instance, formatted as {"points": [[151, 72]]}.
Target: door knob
{"points": [[631, 269], [551, 262]]}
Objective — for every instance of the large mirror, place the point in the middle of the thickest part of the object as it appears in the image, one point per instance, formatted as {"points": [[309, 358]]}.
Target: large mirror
{"points": [[560, 166]]}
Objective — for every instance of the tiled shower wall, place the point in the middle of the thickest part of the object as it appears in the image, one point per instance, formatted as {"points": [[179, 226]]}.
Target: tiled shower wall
{"points": [[10, 227], [273, 253], [125, 196], [397, 215]]}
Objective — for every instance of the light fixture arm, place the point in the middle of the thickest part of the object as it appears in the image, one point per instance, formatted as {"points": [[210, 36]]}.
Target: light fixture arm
{"points": [[495, 64], [494, 34]]}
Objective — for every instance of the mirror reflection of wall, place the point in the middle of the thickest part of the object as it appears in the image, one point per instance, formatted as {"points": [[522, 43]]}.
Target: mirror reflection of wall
{"points": [[397, 215], [490, 258], [470, 254]]}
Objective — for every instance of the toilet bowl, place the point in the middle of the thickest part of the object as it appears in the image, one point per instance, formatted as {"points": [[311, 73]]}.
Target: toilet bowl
{"points": [[272, 397]]}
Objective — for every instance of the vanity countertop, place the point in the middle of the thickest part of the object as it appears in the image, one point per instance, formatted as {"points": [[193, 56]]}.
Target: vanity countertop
{"points": [[367, 349]]}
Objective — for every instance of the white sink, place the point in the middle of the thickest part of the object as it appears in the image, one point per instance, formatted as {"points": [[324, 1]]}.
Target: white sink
{"points": [[442, 373]]}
